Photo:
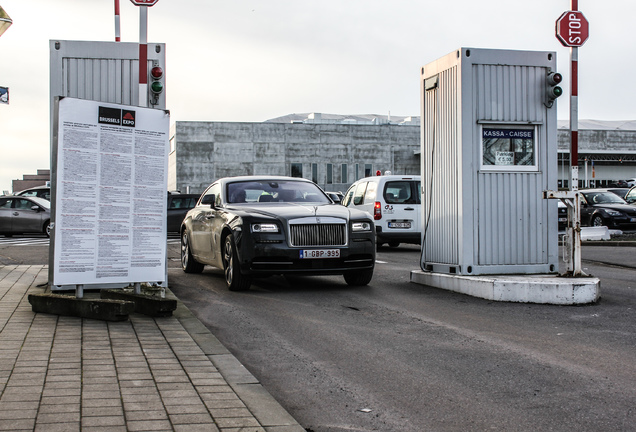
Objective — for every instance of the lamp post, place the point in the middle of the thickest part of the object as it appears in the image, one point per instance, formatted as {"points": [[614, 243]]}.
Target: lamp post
{"points": [[5, 21]]}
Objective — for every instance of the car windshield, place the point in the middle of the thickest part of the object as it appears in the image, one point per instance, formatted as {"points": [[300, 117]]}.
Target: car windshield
{"points": [[603, 198], [275, 191]]}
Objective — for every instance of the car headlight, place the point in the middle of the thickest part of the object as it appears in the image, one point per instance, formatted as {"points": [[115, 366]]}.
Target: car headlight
{"points": [[264, 228], [361, 226], [613, 213]]}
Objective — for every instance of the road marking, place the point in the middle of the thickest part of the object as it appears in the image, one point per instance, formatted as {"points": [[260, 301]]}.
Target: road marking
{"points": [[24, 241]]}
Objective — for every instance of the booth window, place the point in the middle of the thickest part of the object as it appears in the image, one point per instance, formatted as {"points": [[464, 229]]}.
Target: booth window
{"points": [[508, 148]]}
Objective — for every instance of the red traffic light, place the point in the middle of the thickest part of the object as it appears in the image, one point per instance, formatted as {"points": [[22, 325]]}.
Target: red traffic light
{"points": [[156, 72], [554, 78]]}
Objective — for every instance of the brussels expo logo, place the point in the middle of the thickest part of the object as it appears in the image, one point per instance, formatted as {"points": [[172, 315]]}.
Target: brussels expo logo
{"points": [[116, 116]]}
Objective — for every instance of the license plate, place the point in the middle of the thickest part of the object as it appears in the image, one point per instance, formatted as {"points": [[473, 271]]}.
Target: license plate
{"points": [[319, 253], [399, 224]]}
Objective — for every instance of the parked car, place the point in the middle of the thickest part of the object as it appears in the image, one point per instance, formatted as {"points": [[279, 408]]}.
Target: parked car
{"points": [[336, 196], [38, 191], [630, 196], [631, 182], [621, 192], [563, 215], [256, 226], [178, 206], [599, 207], [24, 214], [394, 203]]}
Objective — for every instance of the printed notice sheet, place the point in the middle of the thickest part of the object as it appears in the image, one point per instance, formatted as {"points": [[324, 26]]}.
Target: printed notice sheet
{"points": [[110, 204]]}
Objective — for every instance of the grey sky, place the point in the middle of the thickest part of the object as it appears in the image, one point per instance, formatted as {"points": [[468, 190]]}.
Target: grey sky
{"points": [[251, 60]]}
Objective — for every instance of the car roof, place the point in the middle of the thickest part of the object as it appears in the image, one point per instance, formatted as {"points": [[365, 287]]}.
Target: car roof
{"points": [[37, 200], [262, 178], [392, 177], [32, 188]]}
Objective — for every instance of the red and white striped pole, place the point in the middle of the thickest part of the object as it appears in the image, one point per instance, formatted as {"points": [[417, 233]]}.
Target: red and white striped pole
{"points": [[574, 110], [575, 262], [143, 56], [117, 23]]}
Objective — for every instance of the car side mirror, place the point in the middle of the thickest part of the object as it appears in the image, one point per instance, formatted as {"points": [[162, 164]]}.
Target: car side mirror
{"points": [[209, 200], [35, 208]]}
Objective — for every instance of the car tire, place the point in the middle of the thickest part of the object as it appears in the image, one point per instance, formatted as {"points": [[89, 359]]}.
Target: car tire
{"points": [[597, 221], [188, 263], [47, 228], [358, 277], [233, 278]]}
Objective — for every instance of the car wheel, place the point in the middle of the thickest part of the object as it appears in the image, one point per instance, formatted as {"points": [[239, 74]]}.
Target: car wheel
{"points": [[188, 263], [394, 244], [358, 277], [597, 221], [47, 228], [233, 278]]}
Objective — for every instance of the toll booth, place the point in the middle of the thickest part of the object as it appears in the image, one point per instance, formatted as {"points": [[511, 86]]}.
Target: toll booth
{"points": [[489, 150]]}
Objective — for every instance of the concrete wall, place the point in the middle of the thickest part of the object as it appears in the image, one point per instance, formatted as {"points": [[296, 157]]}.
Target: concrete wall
{"points": [[205, 151]]}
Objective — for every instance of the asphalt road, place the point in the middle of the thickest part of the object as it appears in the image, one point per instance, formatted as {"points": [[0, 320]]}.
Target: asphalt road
{"points": [[396, 356]]}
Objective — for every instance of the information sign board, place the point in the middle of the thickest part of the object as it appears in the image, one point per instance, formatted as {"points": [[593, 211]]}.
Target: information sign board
{"points": [[109, 211]]}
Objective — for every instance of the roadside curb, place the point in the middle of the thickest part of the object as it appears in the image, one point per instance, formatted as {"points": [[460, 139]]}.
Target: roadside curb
{"points": [[258, 400], [608, 243]]}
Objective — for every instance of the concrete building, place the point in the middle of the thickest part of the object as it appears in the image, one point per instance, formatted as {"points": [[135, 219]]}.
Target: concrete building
{"points": [[335, 150], [42, 178], [332, 153]]}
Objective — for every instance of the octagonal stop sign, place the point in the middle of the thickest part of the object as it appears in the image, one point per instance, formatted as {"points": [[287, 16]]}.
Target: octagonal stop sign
{"points": [[144, 2], [572, 29]]}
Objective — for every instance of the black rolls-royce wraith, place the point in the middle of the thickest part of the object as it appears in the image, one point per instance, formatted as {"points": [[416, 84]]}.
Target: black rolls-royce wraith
{"points": [[255, 226]]}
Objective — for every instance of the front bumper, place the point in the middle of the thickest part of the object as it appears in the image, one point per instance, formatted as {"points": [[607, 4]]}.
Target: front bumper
{"points": [[260, 257]]}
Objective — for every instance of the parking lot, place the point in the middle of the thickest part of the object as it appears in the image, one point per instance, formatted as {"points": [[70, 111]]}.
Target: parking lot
{"points": [[399, 356]]}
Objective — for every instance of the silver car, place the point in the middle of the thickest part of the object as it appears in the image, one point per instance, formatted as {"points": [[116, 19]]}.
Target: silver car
{"points": [[19, 214]]}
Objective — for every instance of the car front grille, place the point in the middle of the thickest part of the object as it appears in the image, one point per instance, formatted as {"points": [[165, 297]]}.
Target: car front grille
{"points": [[318, 235]]}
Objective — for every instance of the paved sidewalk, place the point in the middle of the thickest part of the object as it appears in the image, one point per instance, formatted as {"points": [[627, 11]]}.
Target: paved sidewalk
{"points": [[69, 374]]}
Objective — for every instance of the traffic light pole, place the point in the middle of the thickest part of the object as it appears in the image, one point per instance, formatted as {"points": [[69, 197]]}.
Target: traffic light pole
{"points": [[143, 56]]}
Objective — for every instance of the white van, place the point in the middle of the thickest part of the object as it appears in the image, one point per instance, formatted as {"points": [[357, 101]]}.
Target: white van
{"points": [[394, 202]]}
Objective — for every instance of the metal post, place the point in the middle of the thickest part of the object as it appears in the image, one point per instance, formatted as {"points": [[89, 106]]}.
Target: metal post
{"points": [[575, 209], [79, 291], [117, 23], [143, 56]]}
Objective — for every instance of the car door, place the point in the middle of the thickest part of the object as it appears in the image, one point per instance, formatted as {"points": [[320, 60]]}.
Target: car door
{"points": [[6, 215], [203, 222], [25, 219]]}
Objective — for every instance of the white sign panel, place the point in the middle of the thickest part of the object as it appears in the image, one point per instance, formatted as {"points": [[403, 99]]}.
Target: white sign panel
{"points": [[110, 204]]}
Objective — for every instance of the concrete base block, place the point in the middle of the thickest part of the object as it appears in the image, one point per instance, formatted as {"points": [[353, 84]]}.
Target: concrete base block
{"points": [[58, 304], [543, 289], [146, 303]]}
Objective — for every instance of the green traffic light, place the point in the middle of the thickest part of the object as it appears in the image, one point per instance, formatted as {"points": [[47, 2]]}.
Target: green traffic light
{"points": [[156, 87]]}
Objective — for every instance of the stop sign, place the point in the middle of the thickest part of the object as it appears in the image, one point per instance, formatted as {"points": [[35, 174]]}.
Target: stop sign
{"points": [[572, 29], [144, 2]]}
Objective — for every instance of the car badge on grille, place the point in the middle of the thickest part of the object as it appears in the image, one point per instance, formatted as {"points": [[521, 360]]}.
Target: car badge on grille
{"points": [[317, 220]]}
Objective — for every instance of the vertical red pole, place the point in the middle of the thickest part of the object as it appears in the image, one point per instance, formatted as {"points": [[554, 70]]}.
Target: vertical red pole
{"points": [[574, 155], [117, 23], [143, 56]]}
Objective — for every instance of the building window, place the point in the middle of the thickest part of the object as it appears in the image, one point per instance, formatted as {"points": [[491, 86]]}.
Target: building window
{"points": [[343, 178], [329, 173], [314, 173], [296, 170], [357, 172], [368, 169]]}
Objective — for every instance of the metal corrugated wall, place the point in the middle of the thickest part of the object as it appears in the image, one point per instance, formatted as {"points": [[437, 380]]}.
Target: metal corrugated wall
{"points": [[104, 80], [509, 208], [441, 197]]}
